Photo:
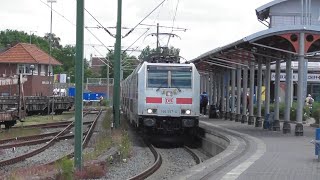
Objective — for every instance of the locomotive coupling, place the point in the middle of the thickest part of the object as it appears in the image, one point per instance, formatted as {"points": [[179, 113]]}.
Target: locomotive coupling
{"points": [[149, 122], [188, 122]]}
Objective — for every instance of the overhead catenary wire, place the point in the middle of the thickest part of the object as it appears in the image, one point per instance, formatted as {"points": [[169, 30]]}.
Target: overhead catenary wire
{"points": [[143, 19], [170, 27], [75, 25], [98, 39], [58, 13], [174, 19], [136, 40], [100, 24], [108, 64]]}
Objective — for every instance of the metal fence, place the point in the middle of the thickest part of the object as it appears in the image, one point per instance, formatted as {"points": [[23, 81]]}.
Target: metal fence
{"points": [[99, 81]]}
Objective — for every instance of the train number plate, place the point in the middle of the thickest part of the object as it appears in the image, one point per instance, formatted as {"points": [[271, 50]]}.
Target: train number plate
{"points": [[168, 110]]}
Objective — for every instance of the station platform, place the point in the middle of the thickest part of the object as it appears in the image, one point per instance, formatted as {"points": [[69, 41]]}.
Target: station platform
{"points": [[272, 154]]}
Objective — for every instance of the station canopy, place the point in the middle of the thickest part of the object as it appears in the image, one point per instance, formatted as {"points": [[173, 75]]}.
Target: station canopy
{"points": [[278, 43]]}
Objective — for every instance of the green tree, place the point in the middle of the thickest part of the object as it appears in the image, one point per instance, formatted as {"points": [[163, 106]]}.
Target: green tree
{"points": [[128, 64], [147, 51], [64, 54], [54, 39]]}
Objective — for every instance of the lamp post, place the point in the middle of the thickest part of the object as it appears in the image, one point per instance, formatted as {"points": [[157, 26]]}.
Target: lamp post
{"points": [[68, 78], [31, 68], [50, 49]]}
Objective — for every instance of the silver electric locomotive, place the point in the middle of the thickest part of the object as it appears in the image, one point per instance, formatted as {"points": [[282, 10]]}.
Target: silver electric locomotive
{"points": [[162, 97]]}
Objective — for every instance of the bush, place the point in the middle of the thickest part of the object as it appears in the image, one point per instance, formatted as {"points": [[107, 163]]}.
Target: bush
{"points": [[316, 112], [105, 102], [125, 146], [65, 167], [91, 171]]}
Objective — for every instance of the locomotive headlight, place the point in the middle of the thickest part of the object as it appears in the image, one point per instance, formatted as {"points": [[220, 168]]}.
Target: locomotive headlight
{"points": [[188, 112], [149, 111]]}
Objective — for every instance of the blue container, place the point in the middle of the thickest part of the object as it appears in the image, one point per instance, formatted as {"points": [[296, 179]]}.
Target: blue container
{"points": [[72, 91], [86, 96], [96, 96]]}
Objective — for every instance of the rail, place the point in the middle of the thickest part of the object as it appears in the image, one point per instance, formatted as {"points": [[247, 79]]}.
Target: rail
{"points": [[193, 154], [155, 166]]}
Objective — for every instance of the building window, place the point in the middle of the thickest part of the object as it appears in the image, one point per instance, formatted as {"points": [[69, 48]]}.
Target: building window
{"points": [[25, 69], [50, 70], [42, 70]]}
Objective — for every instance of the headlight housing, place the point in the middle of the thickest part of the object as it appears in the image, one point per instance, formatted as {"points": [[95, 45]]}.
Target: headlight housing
{"points": [[186, 111], [151, 111]]}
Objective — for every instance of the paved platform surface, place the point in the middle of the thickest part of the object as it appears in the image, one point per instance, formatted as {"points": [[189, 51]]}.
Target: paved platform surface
{"points": [[287, 157]]}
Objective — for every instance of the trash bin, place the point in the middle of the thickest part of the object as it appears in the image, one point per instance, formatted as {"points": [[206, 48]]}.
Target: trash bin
{"points": [[268, 121], [213, 111]]}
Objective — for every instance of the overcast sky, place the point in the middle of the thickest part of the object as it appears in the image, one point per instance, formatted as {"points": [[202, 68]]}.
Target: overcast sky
{"points": [[210, 23]]}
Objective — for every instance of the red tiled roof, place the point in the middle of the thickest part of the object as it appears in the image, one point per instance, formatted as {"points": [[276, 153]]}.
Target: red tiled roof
{"points": [[27, 53]]}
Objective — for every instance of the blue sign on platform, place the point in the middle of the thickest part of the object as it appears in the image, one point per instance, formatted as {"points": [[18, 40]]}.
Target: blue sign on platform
{"points": [[317, 146]]}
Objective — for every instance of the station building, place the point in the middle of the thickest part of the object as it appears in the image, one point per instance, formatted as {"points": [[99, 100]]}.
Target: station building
{"points": [[33, 64]]}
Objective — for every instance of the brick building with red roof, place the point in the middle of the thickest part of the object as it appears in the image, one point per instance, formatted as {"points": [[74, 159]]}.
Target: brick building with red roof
{"points": [[18, 60], [97, 63]]}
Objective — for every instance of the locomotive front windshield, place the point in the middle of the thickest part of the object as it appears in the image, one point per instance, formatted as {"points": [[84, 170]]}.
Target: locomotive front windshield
{"points": [[169, 77]]}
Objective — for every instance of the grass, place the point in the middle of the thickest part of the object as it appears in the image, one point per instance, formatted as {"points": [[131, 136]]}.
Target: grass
{"points": [[18, 132], [101, 145], [38, 119], [31, 120], [104, 140]]}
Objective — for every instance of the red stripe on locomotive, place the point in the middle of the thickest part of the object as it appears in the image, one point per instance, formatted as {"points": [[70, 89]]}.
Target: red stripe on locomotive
{"points": [[154, 100], [184, 101]]}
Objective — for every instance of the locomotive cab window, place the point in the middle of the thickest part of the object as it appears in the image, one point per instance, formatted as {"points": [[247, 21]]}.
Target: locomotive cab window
{"points": [[157, 78], [181, 79], [169, 77]]}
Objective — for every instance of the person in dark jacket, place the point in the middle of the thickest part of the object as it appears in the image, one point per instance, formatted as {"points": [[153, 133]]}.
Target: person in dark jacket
{"points": [[204, 99]]}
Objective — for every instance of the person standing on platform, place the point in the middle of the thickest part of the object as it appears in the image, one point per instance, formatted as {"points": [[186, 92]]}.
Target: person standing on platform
{"points": [[309, 102], [204, 99]]}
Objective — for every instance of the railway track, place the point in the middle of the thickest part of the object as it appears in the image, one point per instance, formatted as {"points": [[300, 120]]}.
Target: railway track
{"points": [[51, 142], [85, 142], [40, 136], [158, 162]]}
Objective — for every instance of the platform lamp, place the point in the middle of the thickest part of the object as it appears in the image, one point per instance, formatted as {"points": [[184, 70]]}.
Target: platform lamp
{"points": [[32, 69]]}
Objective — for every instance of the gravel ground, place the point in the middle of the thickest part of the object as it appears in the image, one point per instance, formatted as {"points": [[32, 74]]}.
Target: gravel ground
{"points": [[10, 153], [141, 158], [50, 130], [174, 161], [55, 152]]}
